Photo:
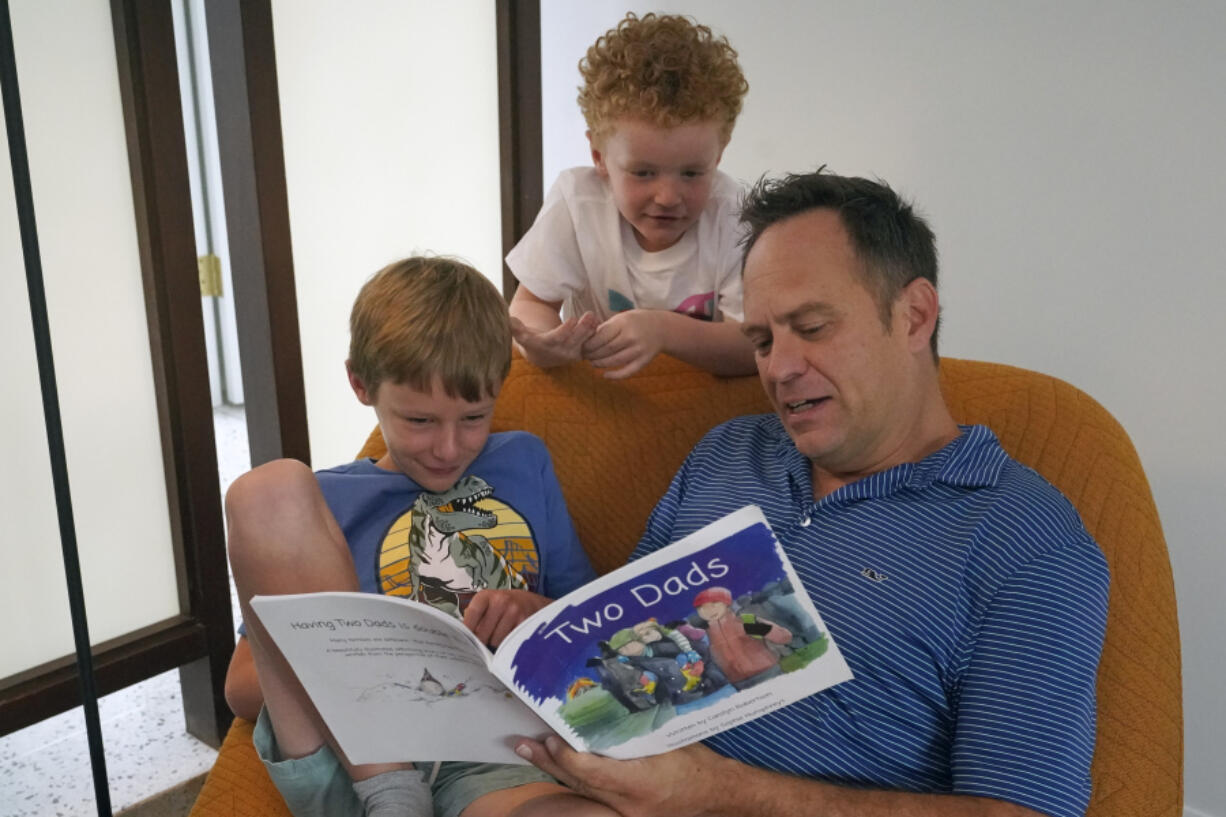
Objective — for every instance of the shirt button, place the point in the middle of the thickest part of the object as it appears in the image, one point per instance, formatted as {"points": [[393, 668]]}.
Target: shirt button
{"points": [[804, 523]]}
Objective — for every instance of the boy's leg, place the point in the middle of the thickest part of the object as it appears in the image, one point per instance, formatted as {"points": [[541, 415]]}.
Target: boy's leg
{"points": [[537, 800], [284, 539], [502, 790]]}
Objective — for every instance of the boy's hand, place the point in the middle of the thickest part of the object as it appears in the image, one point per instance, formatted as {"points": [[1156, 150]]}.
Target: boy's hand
{"points": [[557, 346], [493, 613], [626, 342]]}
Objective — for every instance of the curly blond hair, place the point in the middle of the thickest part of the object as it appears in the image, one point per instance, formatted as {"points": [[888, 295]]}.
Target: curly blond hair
{"points": [[663, 68]]}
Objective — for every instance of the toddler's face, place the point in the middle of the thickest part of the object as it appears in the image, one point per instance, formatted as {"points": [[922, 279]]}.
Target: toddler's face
{"points": [[660, 177]]}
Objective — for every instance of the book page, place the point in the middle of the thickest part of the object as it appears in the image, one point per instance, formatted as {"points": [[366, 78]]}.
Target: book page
{"points": [[711, 631], [396, 680]]}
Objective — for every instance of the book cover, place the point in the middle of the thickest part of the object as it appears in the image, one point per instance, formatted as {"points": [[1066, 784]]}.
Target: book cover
{"points": [[711, 631]]}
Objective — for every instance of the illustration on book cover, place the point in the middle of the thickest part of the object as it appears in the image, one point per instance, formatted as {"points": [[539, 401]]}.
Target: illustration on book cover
{"points": [[671, 641]]}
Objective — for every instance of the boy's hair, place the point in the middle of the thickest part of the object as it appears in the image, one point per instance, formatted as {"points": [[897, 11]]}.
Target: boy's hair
{"points": [[427, 316], [665, 69], [893, 242]]}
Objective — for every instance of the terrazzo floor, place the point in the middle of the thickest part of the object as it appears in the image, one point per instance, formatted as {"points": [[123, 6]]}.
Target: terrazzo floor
{"points": [[45, 768]]}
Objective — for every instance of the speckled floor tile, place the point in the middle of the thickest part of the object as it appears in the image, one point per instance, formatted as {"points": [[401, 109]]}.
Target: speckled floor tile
{"points": [[45, 768]]}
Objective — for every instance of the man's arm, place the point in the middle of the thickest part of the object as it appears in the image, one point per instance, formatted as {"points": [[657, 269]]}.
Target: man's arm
{"points": [[696, 782], [629, 340]]}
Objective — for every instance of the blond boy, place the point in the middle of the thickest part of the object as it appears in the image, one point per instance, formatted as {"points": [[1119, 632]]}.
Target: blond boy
{"points": [[638, 254], [429, 350]]}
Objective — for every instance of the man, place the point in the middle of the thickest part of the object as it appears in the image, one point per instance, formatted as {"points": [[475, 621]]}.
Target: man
{"points": [[960, 586]]}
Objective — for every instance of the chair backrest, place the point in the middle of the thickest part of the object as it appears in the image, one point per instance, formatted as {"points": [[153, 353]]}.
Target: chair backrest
{"points": [[616, 444]]}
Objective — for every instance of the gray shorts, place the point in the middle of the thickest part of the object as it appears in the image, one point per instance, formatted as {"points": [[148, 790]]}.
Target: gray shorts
{"points": [[318, 785]]}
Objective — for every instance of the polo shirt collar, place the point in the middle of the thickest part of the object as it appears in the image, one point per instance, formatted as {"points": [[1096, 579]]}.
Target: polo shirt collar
{"points": [[973, 459]]}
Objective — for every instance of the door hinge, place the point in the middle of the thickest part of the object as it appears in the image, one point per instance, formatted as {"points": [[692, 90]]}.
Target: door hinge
{"points": [[209, 268]]}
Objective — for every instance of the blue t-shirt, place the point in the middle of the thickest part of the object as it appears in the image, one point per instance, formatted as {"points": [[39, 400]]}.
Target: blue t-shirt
{"points": [[508, 500], [965, 595]]}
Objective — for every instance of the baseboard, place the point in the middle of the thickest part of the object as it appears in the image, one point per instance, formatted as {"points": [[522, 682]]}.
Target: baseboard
{"points": [[177, 801], [1188, 811]]}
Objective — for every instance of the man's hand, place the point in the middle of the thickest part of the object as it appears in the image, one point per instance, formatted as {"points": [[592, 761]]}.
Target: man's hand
{"points": [[695, 782], [557, 346], [681, 783], [627, 342], [494, 613]]}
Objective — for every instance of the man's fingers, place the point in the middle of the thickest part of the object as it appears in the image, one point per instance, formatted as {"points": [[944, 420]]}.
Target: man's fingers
{"points": [[535, 752]]}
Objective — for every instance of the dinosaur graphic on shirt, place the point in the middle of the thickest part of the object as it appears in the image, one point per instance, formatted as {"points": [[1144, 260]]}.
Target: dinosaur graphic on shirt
{"points": [[448, 561]]}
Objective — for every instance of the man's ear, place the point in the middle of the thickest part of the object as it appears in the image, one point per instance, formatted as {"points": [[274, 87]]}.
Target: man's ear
{"points": [[920, 306], [359, 388], [597, 157]]}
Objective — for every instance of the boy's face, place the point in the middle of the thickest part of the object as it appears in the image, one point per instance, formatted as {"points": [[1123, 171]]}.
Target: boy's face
{"points": [[431, 437], [712, 610], [660, 177]]}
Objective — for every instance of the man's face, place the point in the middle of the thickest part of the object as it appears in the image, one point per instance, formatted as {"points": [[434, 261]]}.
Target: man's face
{"points": [[837, 378], [660, 177], [431, 436]]}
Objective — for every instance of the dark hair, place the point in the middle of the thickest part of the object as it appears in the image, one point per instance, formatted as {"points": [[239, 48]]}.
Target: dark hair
{"points": [[894, 243]]}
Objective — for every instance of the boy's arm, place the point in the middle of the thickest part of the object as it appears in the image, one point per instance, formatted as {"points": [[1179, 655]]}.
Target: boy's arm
{"points": [[242, 686], [543, 338], [629, 340]]}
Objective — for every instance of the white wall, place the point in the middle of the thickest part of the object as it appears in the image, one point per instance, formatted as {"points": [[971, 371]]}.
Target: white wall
{"points": [[389, 114], [83, 205], [1069, 156]]}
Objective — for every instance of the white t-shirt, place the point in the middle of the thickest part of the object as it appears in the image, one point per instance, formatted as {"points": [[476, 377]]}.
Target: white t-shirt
{"points": [[580, 251]]}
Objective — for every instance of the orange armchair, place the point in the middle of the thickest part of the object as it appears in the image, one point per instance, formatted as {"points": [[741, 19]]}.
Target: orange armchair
{"points": [[616, 445]]}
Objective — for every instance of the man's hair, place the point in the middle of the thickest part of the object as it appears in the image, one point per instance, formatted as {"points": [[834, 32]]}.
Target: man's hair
{"points": [[893, 242], [426, 316], [665, 69]]}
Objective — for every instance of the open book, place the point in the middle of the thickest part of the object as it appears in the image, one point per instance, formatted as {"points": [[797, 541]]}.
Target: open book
{"points": [[709, 632]]}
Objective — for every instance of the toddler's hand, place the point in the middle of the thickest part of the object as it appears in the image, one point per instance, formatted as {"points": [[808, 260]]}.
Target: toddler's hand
{"points": [[557, 346], [626, 342], [493, 613]]}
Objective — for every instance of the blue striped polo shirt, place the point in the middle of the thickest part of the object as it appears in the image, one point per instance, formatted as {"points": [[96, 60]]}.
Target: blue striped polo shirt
{"points": [[964, 593]]}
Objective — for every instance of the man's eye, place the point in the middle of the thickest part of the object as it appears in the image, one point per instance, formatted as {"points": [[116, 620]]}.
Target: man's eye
{"points": [[761, 345], [811, 330]]}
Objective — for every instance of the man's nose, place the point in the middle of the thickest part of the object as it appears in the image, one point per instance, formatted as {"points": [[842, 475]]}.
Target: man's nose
{"points": [[785, 359]]}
